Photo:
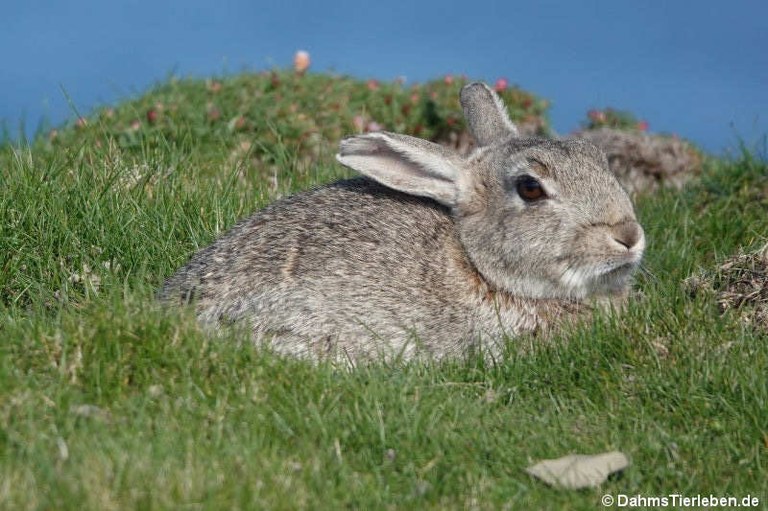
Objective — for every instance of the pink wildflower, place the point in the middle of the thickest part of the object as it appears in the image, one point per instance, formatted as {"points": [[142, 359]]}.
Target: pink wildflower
{"points": [[213, 114], [501, 84], [301, 61], [596, 116]]}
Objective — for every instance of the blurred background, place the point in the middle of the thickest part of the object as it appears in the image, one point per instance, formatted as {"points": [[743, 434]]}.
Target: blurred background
{"points": [[698, 70]]}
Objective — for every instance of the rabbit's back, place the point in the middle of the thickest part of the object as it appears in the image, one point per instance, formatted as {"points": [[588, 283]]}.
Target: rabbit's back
{"points": [[337, 267]]}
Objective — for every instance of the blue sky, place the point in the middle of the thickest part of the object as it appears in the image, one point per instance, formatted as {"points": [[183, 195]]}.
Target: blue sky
{"points": [[698, 69]]}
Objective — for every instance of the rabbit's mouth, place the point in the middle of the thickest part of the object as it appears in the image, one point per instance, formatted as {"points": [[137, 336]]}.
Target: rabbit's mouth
{"points": [[616, 278], [604, 278], [621, 271]]}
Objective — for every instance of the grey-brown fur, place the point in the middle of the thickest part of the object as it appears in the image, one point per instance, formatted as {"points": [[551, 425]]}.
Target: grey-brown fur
{"points": [[430, 253]]}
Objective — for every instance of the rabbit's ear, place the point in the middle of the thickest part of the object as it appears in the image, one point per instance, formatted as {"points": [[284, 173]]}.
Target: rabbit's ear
{"points": [[486, 114], [404, 163]]}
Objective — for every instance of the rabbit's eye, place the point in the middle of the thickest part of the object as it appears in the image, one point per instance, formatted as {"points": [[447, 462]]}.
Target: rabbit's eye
{"points": [[529, 189]]}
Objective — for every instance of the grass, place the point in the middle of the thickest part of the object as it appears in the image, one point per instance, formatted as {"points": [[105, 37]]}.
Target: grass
{"points": [[107, 402]]}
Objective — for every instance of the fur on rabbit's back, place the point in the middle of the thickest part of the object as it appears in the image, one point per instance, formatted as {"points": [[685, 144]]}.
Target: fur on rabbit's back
{"points": [[353, 266]]}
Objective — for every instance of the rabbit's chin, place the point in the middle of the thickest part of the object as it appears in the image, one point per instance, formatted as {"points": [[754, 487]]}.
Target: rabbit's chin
{"points": [[603, 280]]}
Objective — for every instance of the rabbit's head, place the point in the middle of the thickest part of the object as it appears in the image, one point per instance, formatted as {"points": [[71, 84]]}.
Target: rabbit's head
{"points": [[538, 218]]}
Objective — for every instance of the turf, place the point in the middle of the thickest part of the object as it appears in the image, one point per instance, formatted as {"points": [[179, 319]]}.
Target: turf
{"points": [[109, 402]]}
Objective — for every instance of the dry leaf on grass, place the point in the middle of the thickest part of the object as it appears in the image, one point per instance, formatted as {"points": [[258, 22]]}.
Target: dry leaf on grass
{"points": [[578, 471]]}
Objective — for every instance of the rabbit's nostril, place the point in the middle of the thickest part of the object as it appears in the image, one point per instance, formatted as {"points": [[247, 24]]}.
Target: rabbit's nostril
{"points": [[627, 233]]}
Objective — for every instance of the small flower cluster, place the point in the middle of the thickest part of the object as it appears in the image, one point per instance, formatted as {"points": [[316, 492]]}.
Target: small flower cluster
{"points": [[612, 118]]}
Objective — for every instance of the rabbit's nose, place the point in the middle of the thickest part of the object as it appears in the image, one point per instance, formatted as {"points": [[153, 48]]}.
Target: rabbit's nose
{"points": [[627, 233]]}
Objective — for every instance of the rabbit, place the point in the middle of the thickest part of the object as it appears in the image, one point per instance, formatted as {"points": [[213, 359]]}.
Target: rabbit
{"points": [[429, 253]]}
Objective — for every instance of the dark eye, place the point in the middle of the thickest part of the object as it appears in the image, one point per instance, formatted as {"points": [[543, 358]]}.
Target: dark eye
{"points": [[529, 189]]}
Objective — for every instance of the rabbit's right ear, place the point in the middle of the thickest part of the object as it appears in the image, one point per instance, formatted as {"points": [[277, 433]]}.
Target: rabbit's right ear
{"points": [[404, 163], [486, 114]]}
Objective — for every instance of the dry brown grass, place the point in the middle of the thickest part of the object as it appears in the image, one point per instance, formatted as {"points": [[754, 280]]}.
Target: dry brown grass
{"points": [[740, 283]]}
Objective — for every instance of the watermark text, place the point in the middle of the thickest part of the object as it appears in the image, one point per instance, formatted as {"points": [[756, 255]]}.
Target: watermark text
{"points": [[678, 500]]}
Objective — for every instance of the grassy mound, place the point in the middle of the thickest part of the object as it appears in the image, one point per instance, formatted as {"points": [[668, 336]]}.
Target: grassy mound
{"points": [[253, 117], [108, 402], [644, 162]]}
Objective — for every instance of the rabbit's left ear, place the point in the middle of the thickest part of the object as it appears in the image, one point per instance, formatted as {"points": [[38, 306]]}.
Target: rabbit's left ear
{"points": [[486, 115], [404, 163]]}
